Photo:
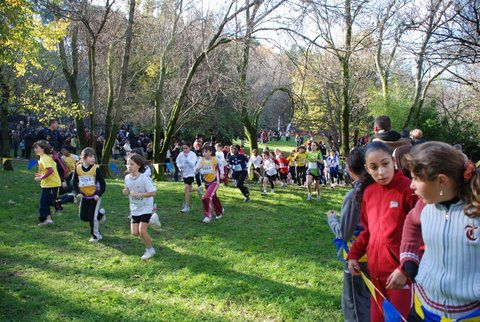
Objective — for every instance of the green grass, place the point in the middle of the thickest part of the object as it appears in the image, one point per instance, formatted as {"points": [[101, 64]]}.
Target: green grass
{"points": [[269, 260]]}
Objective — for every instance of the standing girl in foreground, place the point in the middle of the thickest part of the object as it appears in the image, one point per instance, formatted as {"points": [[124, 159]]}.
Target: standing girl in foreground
{"points": [[211, 170], [140, 190], [355, 297], [386, 200], [89, 185], [447, 219], [49, 181]]}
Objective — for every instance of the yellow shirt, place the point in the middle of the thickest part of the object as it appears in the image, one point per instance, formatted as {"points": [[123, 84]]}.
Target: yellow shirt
{"points": [[291, 160], [53, 180], [208, 169], [301, 159], [87, 181], [69, 162]]}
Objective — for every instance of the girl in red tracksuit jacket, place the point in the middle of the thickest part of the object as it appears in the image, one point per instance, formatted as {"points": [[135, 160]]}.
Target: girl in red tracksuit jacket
{"points": [[386, 201]]}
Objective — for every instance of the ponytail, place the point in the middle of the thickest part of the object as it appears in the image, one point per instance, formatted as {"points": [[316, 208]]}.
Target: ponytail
{"points": [[471, 191]]}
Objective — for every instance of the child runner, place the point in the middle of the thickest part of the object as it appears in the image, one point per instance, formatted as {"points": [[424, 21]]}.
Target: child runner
{"points": [[314, 158], [49, 181], [212, 173], [186, 162], [238, 162], [301, 160], [270, 167], [197, 149], [283, 169], [140, 190], [332, 165], [291, 166], [256, 161], [355, 297], [447, 219], [387, 198], [89, 185], [70, 160]]}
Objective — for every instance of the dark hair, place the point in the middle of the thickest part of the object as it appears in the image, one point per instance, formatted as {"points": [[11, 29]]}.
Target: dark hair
{"points": [[51, 121], [137, 151], [47, 148], [383, 123], [236, 146], [87, 152], [140, 161], [356, 161], [187, 144], [207, 147], [426, 161], [366, 178], [266, 153]]}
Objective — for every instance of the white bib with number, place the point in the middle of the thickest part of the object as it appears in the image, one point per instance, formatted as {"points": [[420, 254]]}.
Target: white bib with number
{"points": [[312, 165], [86, 181], [207, 169], [237, 167]]}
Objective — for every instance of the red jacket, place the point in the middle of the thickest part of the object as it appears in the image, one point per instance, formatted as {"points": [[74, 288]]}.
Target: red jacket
{"points": [[383, 212], [283, 165]]}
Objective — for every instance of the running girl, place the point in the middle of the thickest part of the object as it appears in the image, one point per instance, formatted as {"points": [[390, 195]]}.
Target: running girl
{"points": [[270, 167], [49, 180], [89, 185], [186, 162], [238, 162], [291, 166], [387, 198], [313, 174], [283, 169], [447, 219], [255, 161], [140, 190], [301, 160], [212, 173]]}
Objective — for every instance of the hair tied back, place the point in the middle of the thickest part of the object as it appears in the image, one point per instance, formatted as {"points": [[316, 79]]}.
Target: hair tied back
{"points": [[469, 170]]}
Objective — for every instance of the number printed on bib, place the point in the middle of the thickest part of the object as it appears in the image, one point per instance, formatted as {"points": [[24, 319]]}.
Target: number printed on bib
{"points": [[207, 169], [312, 165], [86, 181], [237, 167]]}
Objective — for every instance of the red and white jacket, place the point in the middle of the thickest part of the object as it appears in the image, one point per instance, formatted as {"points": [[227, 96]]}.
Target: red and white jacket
{"points": [[383, 212]]}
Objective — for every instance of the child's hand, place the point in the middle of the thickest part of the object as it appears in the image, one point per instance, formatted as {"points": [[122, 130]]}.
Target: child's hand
{"points": [[396, 280], [331, 213], [38, 178], [135, 194], [96, 198], [353, 267], [79, 196], [221, 177], [126, 192]]}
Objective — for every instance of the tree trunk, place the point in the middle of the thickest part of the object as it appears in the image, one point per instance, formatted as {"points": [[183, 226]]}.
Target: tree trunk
{"points": [[107, 147], [345, 137], [4, 102]]}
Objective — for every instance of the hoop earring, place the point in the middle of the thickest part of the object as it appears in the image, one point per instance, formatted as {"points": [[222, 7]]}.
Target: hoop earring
{"points": [[441, 192]]}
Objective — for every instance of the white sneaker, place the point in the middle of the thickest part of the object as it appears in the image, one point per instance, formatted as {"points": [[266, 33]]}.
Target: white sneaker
{"points": [[264, 193], [200, 191], [246, 199], [309, 197], [149, 253], [46, 222], [185, 209], [206, 219], [220, 216], [154, 220], [319, 199], [272, 191], [95, 240]]}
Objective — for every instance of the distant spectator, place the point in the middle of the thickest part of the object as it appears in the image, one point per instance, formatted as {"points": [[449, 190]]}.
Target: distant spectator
{"points": [[417, 137], [384, 133]]}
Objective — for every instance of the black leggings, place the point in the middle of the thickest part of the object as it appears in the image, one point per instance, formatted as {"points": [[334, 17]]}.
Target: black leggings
{"points": [[240, 177], [301, 175], [272, 180], [291, 169]]}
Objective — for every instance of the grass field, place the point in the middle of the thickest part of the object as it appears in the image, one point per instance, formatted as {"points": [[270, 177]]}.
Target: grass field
{"points": [[268, 260]]}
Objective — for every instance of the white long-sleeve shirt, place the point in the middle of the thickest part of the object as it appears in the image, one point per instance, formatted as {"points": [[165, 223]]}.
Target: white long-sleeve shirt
{"points": [[186, 164]]}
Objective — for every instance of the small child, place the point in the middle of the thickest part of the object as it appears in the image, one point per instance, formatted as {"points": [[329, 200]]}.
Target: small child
{"points": [[238, 163], [270, 167], [313, 174], [186, 162], [355, 296], [386, 199], [89, 185], [447, 219], [49, 181], [283, 169], [255, 161], [291, 166], [212, 173], [301, 161], [140, 190]]}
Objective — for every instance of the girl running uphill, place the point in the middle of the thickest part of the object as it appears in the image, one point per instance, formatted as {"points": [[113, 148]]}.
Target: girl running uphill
{"points": [[212, 172], [271, 174], [301, 160], [140, 190], [355, 297], [447, 219], [186, 162], [238, 162], [387, 198], [89, 185], [313, 174], [49, 181]]}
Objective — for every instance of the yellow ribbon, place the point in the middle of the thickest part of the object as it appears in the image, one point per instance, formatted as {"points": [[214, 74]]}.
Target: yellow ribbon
{"points": [[157, 167], [5, 160]]}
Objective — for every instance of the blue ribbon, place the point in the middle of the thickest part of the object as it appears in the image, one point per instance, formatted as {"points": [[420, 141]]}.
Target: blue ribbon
{"points": [[31, 164], [114, 168]]}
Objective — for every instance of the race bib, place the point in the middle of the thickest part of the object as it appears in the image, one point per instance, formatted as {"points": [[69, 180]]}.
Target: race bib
{"points": [[237, 167], [312, 165], [207, 169], [86, 181], [138, 201]]}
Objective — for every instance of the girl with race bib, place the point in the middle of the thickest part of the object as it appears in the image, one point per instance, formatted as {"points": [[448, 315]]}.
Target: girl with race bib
{"points": [[271, 175], [211, 171], [140, 190], [89, 185], [313, 174]]}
